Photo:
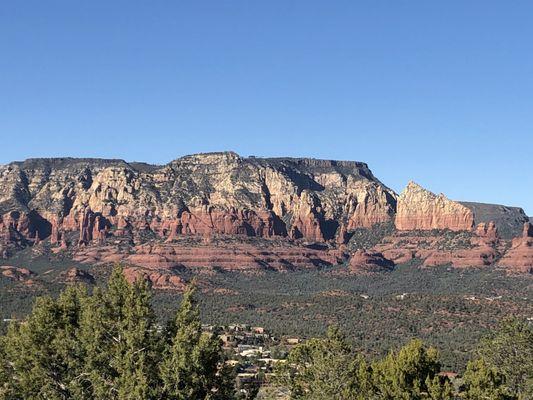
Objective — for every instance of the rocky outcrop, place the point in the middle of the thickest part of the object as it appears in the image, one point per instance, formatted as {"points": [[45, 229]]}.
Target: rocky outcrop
{"points": [[419, 209], [20, 227], [368, 205], [460, 249], [76, 275], [488, 231], [478, 256], [362, 261], [527, 231], [163, 280], [509, 220], [18, 274], [519, 258]]}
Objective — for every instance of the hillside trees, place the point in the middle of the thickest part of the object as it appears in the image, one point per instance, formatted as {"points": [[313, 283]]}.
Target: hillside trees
{"points": [[106, 345], [482, 381], [410, 374], [322, 368], [191, 359], [506, 357], [328, 368]]}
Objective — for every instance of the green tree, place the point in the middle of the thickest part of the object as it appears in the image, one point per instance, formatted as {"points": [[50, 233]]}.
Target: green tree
{"points": [[107, 346], [96, 338], [510, 351], [439, 388], [192, 365], [482, 381], [321, 368], [6, 373], [409, 374], [119, 335], [43, 355]]}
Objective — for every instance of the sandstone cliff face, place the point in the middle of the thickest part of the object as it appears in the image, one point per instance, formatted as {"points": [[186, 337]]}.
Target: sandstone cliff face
{"points": [[519, 258], [419, 209], [478, 248], [184, 214], [204, 194]]}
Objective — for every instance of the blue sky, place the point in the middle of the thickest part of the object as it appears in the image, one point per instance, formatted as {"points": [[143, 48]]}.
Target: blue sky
{"points": [[440, 92]]}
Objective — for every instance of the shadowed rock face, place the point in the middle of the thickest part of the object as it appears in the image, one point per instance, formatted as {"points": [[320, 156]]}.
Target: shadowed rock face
{"points": [[76, 275], [520, 257], [363, 261], [218, 193], [509, 220]]}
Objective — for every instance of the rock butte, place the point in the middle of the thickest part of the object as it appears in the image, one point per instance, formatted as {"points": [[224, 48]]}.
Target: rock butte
{"points": [[418, 208], [76, 275], [160, 218], [520, 257], [362, 261]]}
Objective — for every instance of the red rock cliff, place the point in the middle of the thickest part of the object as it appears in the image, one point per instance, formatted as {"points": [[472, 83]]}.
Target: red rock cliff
{"points": [[203, 194], [419, 209], [519, 258]]}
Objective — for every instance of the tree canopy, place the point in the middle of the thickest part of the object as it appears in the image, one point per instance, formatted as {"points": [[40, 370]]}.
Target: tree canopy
{"points": [[107, 345]]}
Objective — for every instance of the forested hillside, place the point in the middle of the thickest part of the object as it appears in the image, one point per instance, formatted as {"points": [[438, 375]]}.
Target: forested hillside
{"points": [[107, 344]]}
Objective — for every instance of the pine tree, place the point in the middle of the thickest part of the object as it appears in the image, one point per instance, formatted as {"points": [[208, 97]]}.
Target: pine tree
{"points": [[96, 338], [483, 382], [7, 389], [136, 371], [43, 353], [321, 369], [410, 374], [192, 361], [510, 351], [67, 344], [119, 335], [439, 388]]}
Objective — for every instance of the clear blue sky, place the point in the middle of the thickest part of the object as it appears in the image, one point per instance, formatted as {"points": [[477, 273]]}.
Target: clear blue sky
{"points": [[440, 92]]}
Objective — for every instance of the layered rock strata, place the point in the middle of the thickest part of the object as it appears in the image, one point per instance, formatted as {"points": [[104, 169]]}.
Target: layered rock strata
{"points": [[204, 194], [519, 258], [301, 212], [459, 249], [419, 209], [235, 257]]}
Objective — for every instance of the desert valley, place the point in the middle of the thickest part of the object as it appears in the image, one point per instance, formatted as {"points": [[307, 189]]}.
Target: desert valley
{"points": [[289, 244]]}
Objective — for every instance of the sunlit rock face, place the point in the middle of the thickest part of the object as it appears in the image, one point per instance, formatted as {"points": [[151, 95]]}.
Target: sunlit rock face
{"points": [[218, 193], [419, 209], [236, 213]]}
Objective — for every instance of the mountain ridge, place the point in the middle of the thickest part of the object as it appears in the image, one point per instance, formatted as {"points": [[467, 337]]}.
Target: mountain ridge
{"points": [[181, 213]]}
